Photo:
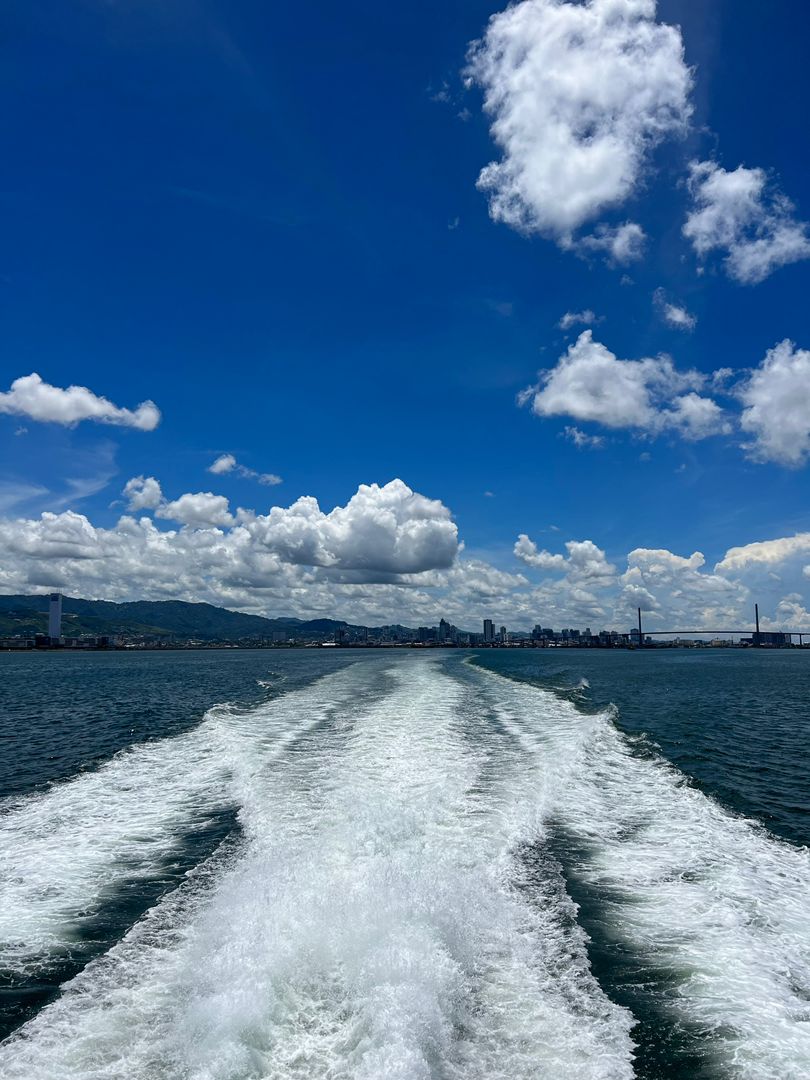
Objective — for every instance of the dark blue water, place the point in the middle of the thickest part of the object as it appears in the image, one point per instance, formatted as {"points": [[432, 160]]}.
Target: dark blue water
{"points": [[669, 830], [61, 713]]}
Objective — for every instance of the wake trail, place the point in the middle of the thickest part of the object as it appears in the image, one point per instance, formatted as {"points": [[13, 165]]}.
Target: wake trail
{"points": [[716, 909], [70, 850], [377, 918]]}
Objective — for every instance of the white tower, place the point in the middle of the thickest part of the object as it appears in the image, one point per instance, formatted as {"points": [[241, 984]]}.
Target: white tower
{"points": [[55, 616]]}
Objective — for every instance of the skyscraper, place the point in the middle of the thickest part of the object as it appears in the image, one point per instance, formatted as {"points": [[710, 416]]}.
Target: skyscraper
{"points": [[55, 617], [489, 630]]}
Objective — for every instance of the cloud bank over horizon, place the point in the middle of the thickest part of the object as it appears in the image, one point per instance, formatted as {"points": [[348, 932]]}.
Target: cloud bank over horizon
{"points": [[389, 555]]}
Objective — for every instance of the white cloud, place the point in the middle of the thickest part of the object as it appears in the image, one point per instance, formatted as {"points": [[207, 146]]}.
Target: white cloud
{"points": [[585, 561], [590, 383], [741, 214], [776, 402], [766, 553], [31, 397], [142, 493], [790, 614], [678, 594], [369, 577], [227, 463], [674, 315], [388, 529], [386, 555], [68, 536], [620, 244], [582, 440], [526, 550], [578, 318], [578, 95], [198, 509], [696, 417]]}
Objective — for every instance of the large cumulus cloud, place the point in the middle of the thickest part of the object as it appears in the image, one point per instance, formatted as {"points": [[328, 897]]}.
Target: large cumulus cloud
{"points": [[776, 413], [578, 94], [389, 529], [375, 555], [590, 383]]}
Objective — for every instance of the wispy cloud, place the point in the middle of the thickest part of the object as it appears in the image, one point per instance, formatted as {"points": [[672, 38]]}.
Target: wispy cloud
{"points": [[674, 315], [227, 463], [582, 440], [578, 318]]}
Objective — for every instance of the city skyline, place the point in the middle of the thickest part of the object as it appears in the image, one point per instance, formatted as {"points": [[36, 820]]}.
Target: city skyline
{"points": [[439, 634]]}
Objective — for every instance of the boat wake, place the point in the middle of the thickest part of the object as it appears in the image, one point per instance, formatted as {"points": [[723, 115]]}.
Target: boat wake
{"points": [[392, 905]]}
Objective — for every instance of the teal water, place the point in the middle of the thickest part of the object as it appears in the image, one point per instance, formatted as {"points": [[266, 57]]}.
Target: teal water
{"points": [[362, 864]]}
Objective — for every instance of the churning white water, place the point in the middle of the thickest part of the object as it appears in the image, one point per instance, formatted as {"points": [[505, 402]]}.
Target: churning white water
{"points": [[713, 901], [64, 852], [390, 909]]}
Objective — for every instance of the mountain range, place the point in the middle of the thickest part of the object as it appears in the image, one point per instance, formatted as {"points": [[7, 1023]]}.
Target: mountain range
{"points": [[174, 620]]}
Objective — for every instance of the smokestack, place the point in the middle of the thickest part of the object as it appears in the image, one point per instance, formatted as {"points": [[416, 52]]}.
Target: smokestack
{"points": [[55, 618]]}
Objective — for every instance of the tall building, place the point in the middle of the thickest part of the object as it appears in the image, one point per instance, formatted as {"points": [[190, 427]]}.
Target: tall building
{"points": [[55, 617], [489, 630], [504, 635]]}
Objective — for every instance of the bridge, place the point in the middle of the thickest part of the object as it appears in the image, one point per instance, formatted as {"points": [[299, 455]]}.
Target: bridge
{"points": [[754, 633]]}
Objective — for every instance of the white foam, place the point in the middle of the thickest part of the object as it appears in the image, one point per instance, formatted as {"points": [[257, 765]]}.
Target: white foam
{"points": [[65, 852], [376, 922], [715, 901]]}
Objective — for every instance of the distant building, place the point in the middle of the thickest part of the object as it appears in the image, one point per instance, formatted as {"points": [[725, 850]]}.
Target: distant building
{"points": [[504, 635], [55, 617], [489, 631], [766, 637]]}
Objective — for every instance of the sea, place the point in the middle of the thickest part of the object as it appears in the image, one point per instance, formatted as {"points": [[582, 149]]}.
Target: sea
{"points": [[405, 865]]}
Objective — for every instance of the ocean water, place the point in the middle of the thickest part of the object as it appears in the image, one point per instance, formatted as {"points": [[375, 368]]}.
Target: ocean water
{"points": [[410, 865]]}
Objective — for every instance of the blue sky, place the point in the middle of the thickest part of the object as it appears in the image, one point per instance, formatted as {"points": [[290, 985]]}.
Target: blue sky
{"points": [[269, 225]]}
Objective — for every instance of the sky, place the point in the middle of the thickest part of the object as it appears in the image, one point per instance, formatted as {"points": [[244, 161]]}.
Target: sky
{"points": [[390, 313]]}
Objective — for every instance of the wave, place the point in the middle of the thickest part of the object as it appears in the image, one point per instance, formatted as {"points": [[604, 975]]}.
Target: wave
{"points": [[715, 908], [381, 916], [392, 905], [68, 852]]}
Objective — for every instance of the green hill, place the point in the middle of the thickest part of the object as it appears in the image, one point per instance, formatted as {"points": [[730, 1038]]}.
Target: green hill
{"points": [[170, 619]]}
